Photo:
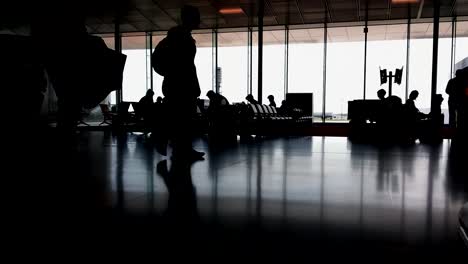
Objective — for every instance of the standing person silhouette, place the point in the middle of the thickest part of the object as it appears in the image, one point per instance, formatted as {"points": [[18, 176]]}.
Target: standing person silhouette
{"points": [[180, 86], [451, 90]]}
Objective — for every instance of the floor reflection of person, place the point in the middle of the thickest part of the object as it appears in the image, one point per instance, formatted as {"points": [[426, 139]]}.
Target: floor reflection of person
{"points": [[182, 202]]}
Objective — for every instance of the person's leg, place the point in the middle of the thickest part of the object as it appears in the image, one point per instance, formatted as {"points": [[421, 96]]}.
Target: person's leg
{"points": [[183, 130], [452, 115]]}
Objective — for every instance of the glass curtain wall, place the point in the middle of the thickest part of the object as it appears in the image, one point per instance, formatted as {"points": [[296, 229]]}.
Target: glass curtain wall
{"points": [[345, 63], [461, 50], [232, 61], [204, 61], [444, 64], [305, 68], [345, 66], [420, 61], [273, 65], [134, 79], [255, 63], [386, 49], [157, 79]]}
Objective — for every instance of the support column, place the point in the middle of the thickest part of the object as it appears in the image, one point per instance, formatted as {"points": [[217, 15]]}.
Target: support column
{"points": [[435, 52], [366, 30], [118, 48], [260, 50]]}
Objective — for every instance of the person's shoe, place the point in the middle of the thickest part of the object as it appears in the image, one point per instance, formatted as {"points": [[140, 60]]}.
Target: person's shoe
{"points": [[198, 153]]}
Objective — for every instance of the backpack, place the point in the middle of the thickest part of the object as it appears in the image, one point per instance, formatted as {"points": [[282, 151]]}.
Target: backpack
{"points": [[160, 57]]}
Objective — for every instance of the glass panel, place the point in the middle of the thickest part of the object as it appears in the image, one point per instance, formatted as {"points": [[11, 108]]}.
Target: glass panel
{"points": [[420, 61], [204, 62], [134, 79], [305, 69], [345, 65], [157, 79], [461, 41], [386, 49], [255, 64], [444, 64], [273, 65], [232, 60]]}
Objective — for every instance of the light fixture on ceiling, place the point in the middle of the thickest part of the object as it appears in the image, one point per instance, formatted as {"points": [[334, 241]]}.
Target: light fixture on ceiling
{"points": [[405, 1], [231, 11]]}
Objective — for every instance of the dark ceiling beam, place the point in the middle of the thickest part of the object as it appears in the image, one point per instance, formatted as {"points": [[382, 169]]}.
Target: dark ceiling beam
{"points": [[271, 10], [217, 7], [358, 6], [328, 10], [452, 10], [421, 6], [164, 11], [146, 17], [299, 10], [389, 9], [99, 25]]}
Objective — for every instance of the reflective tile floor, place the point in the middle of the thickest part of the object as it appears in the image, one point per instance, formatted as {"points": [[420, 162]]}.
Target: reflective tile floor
{"points": [[274, 198]]}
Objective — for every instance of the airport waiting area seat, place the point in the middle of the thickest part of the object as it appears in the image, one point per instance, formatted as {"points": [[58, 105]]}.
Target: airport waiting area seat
{"points": [[372, 120], [266, 120]]}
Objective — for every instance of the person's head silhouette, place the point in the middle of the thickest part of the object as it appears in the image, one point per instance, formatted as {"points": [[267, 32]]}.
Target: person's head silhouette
{"points": [[271, 98], [381, 94], [210, 94], [249, 97], [413, 95], [190, 17], [150, 93], [159, 99]]}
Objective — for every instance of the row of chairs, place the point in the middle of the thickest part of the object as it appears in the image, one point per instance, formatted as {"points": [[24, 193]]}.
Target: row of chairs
{"points": [[266, 112]]}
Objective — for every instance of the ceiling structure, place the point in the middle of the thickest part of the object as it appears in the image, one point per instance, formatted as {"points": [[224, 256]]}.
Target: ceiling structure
{"points": [[160, 15]]}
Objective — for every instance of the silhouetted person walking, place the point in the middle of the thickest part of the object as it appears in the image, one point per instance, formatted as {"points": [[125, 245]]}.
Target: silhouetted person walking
{"points": [[271, 98], [251, 99], [180, 86]]}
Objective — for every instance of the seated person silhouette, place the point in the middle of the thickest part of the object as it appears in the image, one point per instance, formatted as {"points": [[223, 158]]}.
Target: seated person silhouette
{"points": [[412, 117], [271, 98], [251, 99], [381, 94], [383, 106], [436, 114], [159, 100], [410, 108], [220, 117], [216, 101], [284, 108], [146, 105]]}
